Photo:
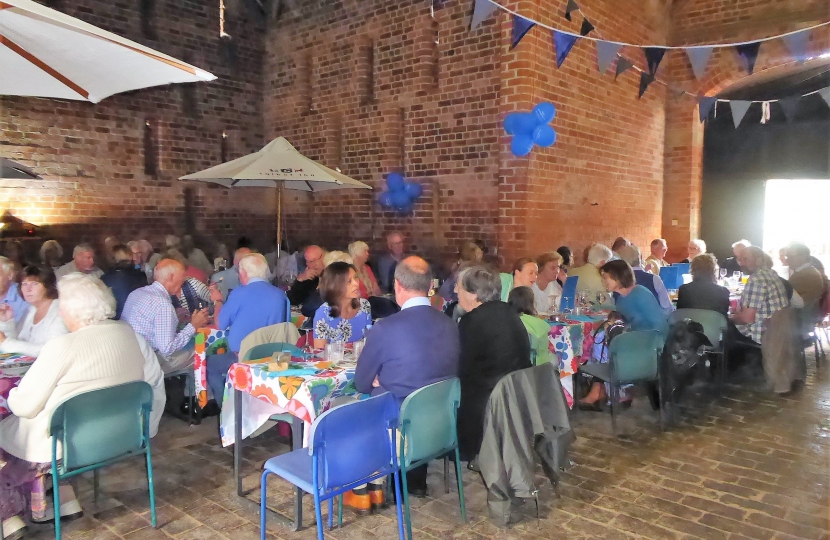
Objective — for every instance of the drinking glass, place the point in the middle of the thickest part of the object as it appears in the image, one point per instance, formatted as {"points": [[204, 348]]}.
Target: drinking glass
{"points": [[334, 351], [358, 348], [736, 276], [723, 273], [553, 307], [601, 298]]}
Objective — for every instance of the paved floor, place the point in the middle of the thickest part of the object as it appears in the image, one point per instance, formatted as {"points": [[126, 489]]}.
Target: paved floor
{"points": [[747, 465]]}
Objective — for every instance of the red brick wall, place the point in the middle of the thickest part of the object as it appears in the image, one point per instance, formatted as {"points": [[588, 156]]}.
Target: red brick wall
{"points": [[91, 157]]}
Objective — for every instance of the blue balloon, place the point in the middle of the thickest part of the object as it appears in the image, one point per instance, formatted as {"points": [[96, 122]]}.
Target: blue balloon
{"points": [[521, 145], [414, 190], [395, 182], [511, 123], [525, 123], [385, 199], [544, 135], [399, 199], [544, 112]]}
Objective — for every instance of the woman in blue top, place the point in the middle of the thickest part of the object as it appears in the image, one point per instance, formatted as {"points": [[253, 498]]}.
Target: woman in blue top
{"points": [[344, 315], [636, 303]]}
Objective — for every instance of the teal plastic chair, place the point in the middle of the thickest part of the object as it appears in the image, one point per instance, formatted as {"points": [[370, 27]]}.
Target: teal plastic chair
{"points": [[714, 327], [428, 421], [267, 349], [533, 345], [99, 428], [633, 357]]}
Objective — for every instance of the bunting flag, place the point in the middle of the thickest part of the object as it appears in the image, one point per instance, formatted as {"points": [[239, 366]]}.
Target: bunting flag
{"points": [[790, 107], [699, 57], [797, 45], [705, 105], [653, 57], [562, 45], [521, 26], [645, 80], [482, 11], [587, 27], [749, 53], [570, 9], [606, 54], [739, 109], [623, 65], [825, 94]]}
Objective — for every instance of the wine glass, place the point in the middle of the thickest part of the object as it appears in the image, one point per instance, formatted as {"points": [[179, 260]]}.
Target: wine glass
{"points": [[736, 276], [723, 273], [601, 298], [553, 306]]}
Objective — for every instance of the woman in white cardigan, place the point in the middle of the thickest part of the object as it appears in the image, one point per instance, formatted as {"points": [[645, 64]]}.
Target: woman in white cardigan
{"points": [[42, 321], [97, 353]]}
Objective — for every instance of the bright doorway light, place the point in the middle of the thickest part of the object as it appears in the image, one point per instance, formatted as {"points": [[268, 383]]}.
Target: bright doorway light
{"points": [[796, 210]]}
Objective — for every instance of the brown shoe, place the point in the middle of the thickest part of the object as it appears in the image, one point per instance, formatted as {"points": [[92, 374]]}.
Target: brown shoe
{"points": [[358, 500], [377, 497]]}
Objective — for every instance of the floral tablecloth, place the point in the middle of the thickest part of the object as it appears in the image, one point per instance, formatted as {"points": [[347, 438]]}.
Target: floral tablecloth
{"points": [[208, 341], [571, 341], [12, 368], [305, 395]]}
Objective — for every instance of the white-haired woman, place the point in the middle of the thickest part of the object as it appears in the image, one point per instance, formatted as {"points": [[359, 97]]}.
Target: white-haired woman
{"points": [[366, 278], [51, 254], [97, 353]]}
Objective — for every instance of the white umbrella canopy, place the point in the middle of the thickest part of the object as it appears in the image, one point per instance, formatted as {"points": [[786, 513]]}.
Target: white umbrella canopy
{"points": [[277, 164], [45, 53]]}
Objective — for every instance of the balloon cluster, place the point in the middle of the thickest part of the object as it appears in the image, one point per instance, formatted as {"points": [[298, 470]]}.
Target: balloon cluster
{"points": [[401, 194], [529, 128]]}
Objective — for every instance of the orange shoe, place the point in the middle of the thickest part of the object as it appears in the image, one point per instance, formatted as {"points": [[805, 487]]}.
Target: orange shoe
{"points": [[377, 497], [358, 500]]}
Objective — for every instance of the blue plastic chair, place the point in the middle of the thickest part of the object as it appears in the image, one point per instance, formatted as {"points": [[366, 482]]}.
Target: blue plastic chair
{"points": [[714, 327], [671, 276], [569, 293], [350, 445], [684, 267], [428, 431], [633, 357], [98, 428]]}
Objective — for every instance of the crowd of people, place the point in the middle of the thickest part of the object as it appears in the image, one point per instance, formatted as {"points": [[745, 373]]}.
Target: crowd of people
{"points": [[479, 325]]}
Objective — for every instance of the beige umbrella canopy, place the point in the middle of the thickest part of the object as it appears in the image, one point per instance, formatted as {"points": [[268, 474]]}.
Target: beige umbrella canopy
{"points": [[277, 165], [45, 53]]}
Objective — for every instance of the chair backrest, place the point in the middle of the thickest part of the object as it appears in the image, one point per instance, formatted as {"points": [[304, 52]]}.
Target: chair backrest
{"points": [[671, 276], [351, 442], [634, 355], [275, 333], [533, 345], [267, 349], [714, 323], [428, 416], [569, 293], [287, 310], [382, 307], [102, 424], [684, 267]]}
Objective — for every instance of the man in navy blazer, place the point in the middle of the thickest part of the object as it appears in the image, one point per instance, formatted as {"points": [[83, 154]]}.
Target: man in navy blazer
{"points": [[411, 349]]}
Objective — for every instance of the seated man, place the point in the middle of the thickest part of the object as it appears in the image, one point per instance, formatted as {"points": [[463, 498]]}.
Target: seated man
{"points": [[696, 247], [123, 277], [763, 295], [386, 263], [655, 285], [83, 260], [309, 279], [228, 280], [732, 264], [704, 292], [589, 277], [411, 349], [254, 305], [149, 310], [804, 277], [657, 259]]}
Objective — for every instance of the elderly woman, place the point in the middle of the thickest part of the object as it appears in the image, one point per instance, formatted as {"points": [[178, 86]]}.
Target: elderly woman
{"points": [[703, 292], [522, 300], [525, 273], [97, 353], [494, 343], [42, 321], [51, 254], [344, 315], [636, 303], [359, 251]]}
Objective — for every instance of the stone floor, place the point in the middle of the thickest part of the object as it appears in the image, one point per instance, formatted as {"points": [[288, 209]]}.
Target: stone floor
{"points": [[746, 465]]}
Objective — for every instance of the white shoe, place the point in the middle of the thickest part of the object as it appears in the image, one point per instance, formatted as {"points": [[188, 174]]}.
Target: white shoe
{"points": [[69, 510], [14, 528]]}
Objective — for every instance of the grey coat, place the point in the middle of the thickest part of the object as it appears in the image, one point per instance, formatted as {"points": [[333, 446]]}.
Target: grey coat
{"points": [[526, 414]]}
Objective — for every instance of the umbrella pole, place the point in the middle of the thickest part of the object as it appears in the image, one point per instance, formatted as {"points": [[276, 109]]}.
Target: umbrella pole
{"points": [[279, 220]]}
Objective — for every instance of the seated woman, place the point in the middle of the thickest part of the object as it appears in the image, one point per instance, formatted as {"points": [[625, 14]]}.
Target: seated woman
{"points": [[97, 353], [494, 343], [522, 300], [525, 273], [344, 315], [703, 292], [636, 303], [359, 251], [42, 321], [315, 299]]}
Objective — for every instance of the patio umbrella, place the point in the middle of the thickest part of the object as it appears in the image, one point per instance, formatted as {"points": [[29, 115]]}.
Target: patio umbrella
{"points": [[277, 165], [12, 170], [44, 53]]}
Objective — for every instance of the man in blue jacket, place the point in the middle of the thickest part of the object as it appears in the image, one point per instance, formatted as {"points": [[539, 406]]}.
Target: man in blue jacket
{"points": [[409, 350]]}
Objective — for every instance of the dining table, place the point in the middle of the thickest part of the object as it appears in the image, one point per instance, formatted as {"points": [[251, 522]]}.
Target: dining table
{"points": [[12, 368], [571, 339]]}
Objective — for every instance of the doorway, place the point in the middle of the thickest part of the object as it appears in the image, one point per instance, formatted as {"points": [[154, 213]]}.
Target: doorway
{"points": [[797, 210]]}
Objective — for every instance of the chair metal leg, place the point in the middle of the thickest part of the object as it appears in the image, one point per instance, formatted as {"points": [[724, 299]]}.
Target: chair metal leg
{"points": [[405, 496], [340, 512], [318, 512], [263, 513], [446, 474], [613, 399], [460, 484], [96, 482], [662, 404], [151, 483], [397, 476], [56, 499]]}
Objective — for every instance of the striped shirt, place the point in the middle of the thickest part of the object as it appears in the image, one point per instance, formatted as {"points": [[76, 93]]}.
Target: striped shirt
{"points": [[150, 312]]}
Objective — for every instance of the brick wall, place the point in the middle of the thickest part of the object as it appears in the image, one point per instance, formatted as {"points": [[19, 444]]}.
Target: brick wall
{"points": [[91, 157]]}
